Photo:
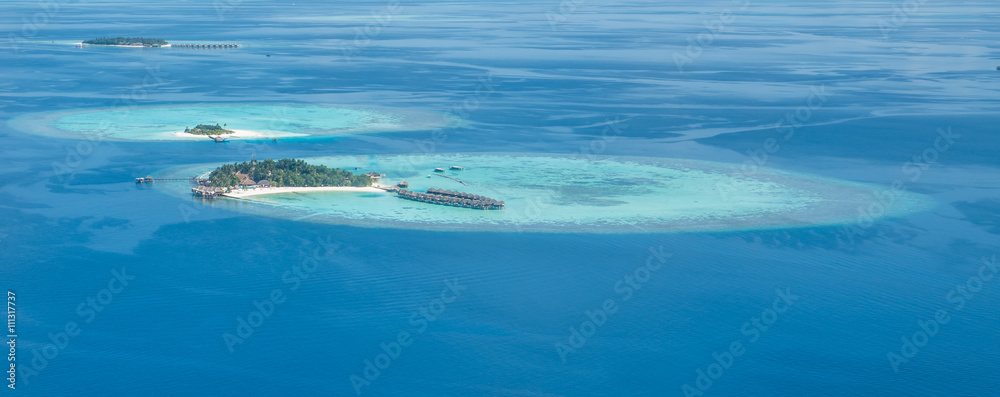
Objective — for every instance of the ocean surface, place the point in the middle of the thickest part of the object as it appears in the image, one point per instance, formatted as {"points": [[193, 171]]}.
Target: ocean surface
{"points": [[128, 290]]}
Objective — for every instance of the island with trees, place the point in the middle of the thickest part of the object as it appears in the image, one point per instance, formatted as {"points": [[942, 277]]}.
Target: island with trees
{"points": [[127, 41], [207, 129], [284, 173]]}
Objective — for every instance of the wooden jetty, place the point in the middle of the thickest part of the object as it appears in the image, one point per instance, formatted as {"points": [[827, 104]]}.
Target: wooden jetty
{"points": [[452, 198], [200, 46], [150, 179], [452, 178]]}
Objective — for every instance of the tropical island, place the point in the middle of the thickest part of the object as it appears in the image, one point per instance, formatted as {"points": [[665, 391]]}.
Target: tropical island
{"points": [[252, 178], [127, 41], [284, 173], [206, 129]]}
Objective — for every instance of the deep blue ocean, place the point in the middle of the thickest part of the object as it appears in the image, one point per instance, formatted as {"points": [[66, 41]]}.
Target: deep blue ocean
{"points": [[859, 91]]}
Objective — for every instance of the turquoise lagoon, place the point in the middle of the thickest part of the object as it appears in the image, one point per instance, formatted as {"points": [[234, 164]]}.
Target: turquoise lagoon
{"points": [[552, 193], [159, 123]]}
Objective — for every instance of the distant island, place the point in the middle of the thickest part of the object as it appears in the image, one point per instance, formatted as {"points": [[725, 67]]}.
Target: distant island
{"points": [[127, 41], [206, 129], [147, 42], [284, 173]]}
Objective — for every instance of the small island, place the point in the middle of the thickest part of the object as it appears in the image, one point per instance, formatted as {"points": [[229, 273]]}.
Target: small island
{"points": [[206, 129], [282, 173], [147, 42], [127, 41], [254, 178]]}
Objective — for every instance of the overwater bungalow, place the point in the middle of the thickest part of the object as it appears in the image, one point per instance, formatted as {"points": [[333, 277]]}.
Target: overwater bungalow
{"points": [[207, 191], [452, 198], [403, 184]]}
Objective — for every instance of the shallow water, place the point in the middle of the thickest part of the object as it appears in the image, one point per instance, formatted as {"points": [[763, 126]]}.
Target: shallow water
{"points": [[160, 123], [574, 194], [599, 79]]}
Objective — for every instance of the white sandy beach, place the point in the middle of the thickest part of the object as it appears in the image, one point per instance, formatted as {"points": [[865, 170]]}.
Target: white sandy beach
{"points": [[241, 193], [238, 134]]}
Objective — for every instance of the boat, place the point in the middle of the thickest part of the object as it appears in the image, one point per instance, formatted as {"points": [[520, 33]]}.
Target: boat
{"points": [[439, 170], [428, 176], [457, 167]]}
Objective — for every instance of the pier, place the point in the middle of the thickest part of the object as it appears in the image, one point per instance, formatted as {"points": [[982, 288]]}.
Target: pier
{"points": [[452, 198], [150, 179], [454, 179], [200, 46]]}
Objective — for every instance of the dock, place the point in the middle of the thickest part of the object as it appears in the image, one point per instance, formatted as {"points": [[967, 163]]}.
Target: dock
{"points": [[452, 198], [150, 179], [205, 46], [452, 178]]}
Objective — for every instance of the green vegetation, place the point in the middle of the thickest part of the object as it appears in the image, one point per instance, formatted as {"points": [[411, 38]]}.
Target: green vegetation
{"points": [[285, 172], [205, 129], [125, 41]]}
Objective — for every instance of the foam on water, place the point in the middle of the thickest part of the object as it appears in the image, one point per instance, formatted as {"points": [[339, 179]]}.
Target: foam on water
{"points": [[159, 123], [549, 193]]}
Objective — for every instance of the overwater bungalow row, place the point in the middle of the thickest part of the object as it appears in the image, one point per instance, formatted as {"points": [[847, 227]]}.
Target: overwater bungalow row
{"points": [[205, 45], [455, 194], [453, 199]]}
